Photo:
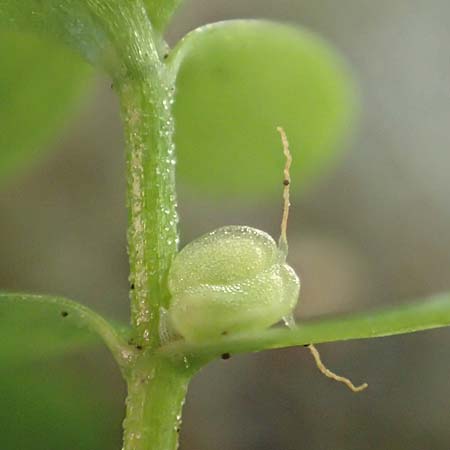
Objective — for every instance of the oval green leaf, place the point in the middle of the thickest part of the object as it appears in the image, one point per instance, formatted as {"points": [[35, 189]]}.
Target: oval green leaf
{"points": [[113, 34], [236, 82], [72, 22], [47, 407], [34, 327], [40, 84], [160, 11]]}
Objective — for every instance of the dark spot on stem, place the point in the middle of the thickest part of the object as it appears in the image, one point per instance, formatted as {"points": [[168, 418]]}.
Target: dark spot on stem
{"points": [[166, 55], [139, 347], [226, 356], [286, 182], [132, 286], [178, 430], [64, 313]]}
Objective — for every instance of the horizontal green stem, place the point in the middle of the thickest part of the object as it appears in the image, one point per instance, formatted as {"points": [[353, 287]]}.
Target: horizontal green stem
{"points": [[427, 314]]}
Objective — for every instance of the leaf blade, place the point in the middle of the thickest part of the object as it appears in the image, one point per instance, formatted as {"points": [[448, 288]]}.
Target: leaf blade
{"points": [[39, 89], [160, 12], [112, 34], [44, 326], [236, 82], [49, 406], [71, 22]]}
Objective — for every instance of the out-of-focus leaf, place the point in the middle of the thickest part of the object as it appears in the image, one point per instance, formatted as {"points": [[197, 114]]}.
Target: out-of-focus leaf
{"points": [[34, 327], [160, 11], [39, 86], [237, 82], [49, 408], [73, 22], [107, 33]]}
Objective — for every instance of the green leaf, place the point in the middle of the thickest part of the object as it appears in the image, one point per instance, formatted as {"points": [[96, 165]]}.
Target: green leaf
{"points": [[72, 22], [237, 81], [34, 327], [113, 34], [160, 11], [424, 315], [80, 24], [40, 84], [51, 408]]}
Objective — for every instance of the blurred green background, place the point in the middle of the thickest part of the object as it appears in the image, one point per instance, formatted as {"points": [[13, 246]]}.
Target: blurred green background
{"points": [[374, 231]]}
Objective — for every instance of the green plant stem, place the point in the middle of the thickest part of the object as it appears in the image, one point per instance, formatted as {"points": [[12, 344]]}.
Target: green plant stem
{"points": [[427, 314], [152, 232], [156, 393], [156, 388]]}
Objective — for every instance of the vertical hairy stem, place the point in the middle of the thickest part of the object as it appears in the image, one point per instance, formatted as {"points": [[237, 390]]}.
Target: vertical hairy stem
{"points": [[146, 95], [152, 231], [156, 388], [156, 393]]}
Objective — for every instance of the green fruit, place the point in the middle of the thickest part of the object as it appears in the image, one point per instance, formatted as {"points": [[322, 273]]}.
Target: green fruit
{"points": [[233, 279]]}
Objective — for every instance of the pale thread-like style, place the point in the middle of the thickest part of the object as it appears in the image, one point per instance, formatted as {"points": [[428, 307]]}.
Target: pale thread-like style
{"points": [[328, 373], [284, 247], [282, 243]]}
